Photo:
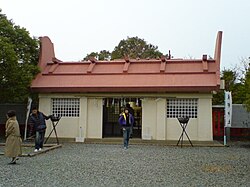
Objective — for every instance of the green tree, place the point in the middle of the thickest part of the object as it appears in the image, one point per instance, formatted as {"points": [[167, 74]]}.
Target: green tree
{"points": [[236, 81], [247, 86], [92, 54], [234, 84], [230, 77], [18, 61], [135, 47], [102, 55]]}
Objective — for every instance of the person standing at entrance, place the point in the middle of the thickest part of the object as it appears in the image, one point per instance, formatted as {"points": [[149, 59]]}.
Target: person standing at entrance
{"points": [[131, 111], [13, 137], [37, 120], [126, 120]]}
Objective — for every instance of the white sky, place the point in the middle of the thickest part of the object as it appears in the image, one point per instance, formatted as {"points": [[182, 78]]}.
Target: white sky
{"points": [[187, 27]]}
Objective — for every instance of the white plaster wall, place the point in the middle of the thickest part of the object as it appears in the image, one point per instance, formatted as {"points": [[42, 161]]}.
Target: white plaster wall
{"points": [[161, 119], [155, 125], [89, 120], [205, 128], [45, 105], [153, 118], [94, 118], [174, 129], [149, 118], [82, 125], [200, 128], [67, 127]]}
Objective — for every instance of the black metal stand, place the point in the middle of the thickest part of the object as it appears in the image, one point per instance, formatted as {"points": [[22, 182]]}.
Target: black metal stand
{"points": [[54, 122], [183, 123]]}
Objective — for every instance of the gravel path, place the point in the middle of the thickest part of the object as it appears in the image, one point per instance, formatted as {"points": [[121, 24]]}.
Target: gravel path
{"points": [[140, 165]]}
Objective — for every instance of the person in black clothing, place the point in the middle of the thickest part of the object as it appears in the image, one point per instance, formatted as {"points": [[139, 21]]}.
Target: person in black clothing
{"points": [[37, 120]]}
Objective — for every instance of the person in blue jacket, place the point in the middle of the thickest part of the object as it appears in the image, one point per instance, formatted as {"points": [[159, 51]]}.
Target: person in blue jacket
{"points": [[126, 120], [37, 120]]}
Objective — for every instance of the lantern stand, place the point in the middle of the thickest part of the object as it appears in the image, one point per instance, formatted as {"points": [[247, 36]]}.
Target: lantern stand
{"points": [[54, 121], [183, 121]]}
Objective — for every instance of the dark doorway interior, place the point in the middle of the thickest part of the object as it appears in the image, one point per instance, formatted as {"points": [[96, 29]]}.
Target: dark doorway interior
{"points": [[112, 108]]}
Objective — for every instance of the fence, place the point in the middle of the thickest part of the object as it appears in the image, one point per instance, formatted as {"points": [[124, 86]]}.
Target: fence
{"points": [[20, 114], [218, 125]]}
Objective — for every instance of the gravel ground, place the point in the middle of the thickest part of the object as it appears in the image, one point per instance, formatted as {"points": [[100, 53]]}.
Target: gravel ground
{"points": [[140, 165]]}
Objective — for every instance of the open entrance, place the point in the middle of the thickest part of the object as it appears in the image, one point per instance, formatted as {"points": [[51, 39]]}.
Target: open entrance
{"points": [[112, 108]]}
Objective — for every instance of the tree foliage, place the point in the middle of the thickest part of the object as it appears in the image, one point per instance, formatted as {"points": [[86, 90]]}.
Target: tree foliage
{"points": [[133, 47], [18, 61], [235, 85], [247, 88], [238, 83], [102, 55], [230, 77]]}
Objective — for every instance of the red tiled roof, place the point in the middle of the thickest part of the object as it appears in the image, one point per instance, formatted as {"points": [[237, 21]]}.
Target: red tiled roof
{"points": [[154, 75]]}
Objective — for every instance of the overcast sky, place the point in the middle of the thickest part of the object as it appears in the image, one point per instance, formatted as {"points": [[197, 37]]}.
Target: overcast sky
{"points": [[187, 27]]}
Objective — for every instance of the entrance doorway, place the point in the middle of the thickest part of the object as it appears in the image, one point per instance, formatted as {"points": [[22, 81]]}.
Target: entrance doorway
{"points": [[112, 108]]}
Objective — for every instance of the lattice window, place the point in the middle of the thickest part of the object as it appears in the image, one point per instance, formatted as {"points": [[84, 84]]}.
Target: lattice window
{"points": [[65, 107], [182, 108]]}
